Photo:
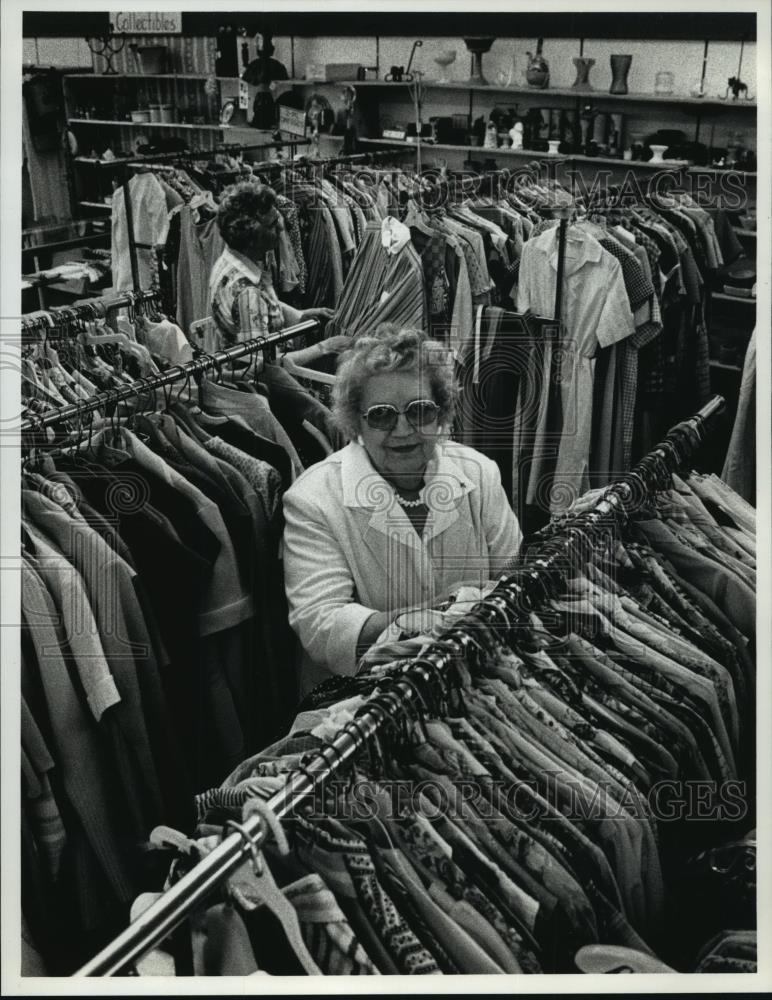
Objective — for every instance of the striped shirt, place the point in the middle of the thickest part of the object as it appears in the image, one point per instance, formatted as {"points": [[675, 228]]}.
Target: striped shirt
{"points": [[243, 300]]}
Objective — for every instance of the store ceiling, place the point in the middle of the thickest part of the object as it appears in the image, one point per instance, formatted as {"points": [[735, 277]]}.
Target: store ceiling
{"points": [[681, 25]]}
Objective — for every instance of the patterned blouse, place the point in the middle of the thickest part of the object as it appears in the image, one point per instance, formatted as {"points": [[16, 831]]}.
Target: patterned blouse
{"points": [[244, 301]]}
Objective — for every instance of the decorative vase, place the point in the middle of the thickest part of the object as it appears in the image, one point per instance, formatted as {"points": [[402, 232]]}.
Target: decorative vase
{"points": [[506, 77], [656, 154], [583, 67], [553, 146], [537, 73], [491, 136], [615, 137], [443, 60], [478, 47], [599, 129], [620, 67]]}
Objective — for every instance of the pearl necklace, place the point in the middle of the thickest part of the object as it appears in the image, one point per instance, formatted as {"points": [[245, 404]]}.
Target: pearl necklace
{"points": [[409, 503]]}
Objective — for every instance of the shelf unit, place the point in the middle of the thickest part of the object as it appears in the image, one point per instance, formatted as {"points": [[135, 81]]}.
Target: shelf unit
{"points": [[699, 112], [692, 106], [110, 98], [98, 110]]}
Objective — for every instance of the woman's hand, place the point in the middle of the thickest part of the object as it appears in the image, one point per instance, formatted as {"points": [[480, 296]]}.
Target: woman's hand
{"points": [[319, 312]]}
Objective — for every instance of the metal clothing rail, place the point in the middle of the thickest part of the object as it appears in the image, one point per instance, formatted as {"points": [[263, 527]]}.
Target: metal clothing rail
{"points": [[177, 373], [225, 149], [330, 161], [510, 601], [85, 309]]}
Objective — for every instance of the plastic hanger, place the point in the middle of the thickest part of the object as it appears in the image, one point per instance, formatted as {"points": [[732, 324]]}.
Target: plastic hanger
{"points": [[254, 886], [415, 219], [605, 959], [91, 339], [166, 837]]}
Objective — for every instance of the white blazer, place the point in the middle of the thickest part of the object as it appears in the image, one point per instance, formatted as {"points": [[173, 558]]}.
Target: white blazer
{"points": [[350, 549]]}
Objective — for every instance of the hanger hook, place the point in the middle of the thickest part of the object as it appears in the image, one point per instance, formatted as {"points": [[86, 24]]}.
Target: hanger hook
{"points": [[183, 369], [259, 807], [90, 430], [251, 844], [167, 391]]}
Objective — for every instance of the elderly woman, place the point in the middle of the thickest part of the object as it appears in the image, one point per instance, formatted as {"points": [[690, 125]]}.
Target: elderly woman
{"points": [[244, 301], [398, 516]]}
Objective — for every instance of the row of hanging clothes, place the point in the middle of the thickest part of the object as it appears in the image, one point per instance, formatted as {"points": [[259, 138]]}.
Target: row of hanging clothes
{"points": [[173, 207], [564, 383], [511, 792], [628, 353], [155, 644], [177, 240], [574, 355]]}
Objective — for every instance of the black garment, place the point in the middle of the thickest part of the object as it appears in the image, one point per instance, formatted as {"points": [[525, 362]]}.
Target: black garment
{"points": [[490, 379], [243, 438], [174, 565], [98, 870], [292, 405], [163, 726]]}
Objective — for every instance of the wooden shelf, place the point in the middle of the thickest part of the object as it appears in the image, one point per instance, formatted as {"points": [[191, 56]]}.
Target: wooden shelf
{"points": [[192, 76], [580, 94], [157, 76], [107, 121], [532, 154], [723, 170], [722, 366], [723, 297]]}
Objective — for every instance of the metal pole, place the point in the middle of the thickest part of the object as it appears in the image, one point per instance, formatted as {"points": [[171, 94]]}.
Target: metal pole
{"points": [[159, 919], [561, 267], [87, 306], [169, 377], [130, 228]]}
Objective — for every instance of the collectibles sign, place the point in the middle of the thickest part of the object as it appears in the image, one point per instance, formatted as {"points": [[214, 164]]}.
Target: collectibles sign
{"points": [[137, 22]]}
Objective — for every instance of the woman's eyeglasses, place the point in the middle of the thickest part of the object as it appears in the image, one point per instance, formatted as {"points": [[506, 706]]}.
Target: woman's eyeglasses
{"points": [[419, 413]]}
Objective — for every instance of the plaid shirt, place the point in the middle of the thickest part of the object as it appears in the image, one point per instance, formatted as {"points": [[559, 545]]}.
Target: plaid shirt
{"points": [[244, 301], [639, 288]]}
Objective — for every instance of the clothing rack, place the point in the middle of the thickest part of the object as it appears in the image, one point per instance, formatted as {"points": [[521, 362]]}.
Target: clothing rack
{"points": [[306, 161], [40, 323], [201, 364], [225, 149], [354, 158], [181, 157], [511, 601]]}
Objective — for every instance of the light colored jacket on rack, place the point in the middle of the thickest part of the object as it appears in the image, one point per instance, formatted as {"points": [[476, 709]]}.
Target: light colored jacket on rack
{"points": [[350, 549]]}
